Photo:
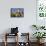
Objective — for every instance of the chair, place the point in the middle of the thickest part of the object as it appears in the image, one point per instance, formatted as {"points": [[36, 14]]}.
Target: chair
{"points": [[14, 32]]}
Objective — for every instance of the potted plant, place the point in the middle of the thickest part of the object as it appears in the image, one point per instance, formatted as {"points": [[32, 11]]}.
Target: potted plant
{"points": [[39, 35]]}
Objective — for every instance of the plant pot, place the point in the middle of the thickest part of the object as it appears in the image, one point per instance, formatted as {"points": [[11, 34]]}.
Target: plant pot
{"points": [[38, 40]]}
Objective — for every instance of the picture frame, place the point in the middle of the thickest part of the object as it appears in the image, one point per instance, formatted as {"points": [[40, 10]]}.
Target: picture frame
{"points": [[17, 12]]}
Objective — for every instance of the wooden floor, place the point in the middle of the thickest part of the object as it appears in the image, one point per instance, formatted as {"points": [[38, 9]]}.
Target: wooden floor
{"points": [[13, 44]]}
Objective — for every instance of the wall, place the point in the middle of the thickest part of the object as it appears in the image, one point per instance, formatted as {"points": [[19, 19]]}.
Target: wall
{"points": [[24, 23]]}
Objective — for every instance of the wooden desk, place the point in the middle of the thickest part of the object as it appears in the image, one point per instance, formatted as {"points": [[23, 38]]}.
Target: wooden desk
{"points": [[8, 34], [17, 43]]}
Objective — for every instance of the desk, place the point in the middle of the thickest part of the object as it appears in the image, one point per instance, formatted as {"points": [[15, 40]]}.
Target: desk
{"points": [[8, 34]]}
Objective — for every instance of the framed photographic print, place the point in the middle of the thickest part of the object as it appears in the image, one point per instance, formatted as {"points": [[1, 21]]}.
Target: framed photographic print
{"points": [[41, 12], [41, 8], [17, 12]]}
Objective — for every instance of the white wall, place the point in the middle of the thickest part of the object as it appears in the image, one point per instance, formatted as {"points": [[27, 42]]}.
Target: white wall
{"points": [[24, 23]]}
